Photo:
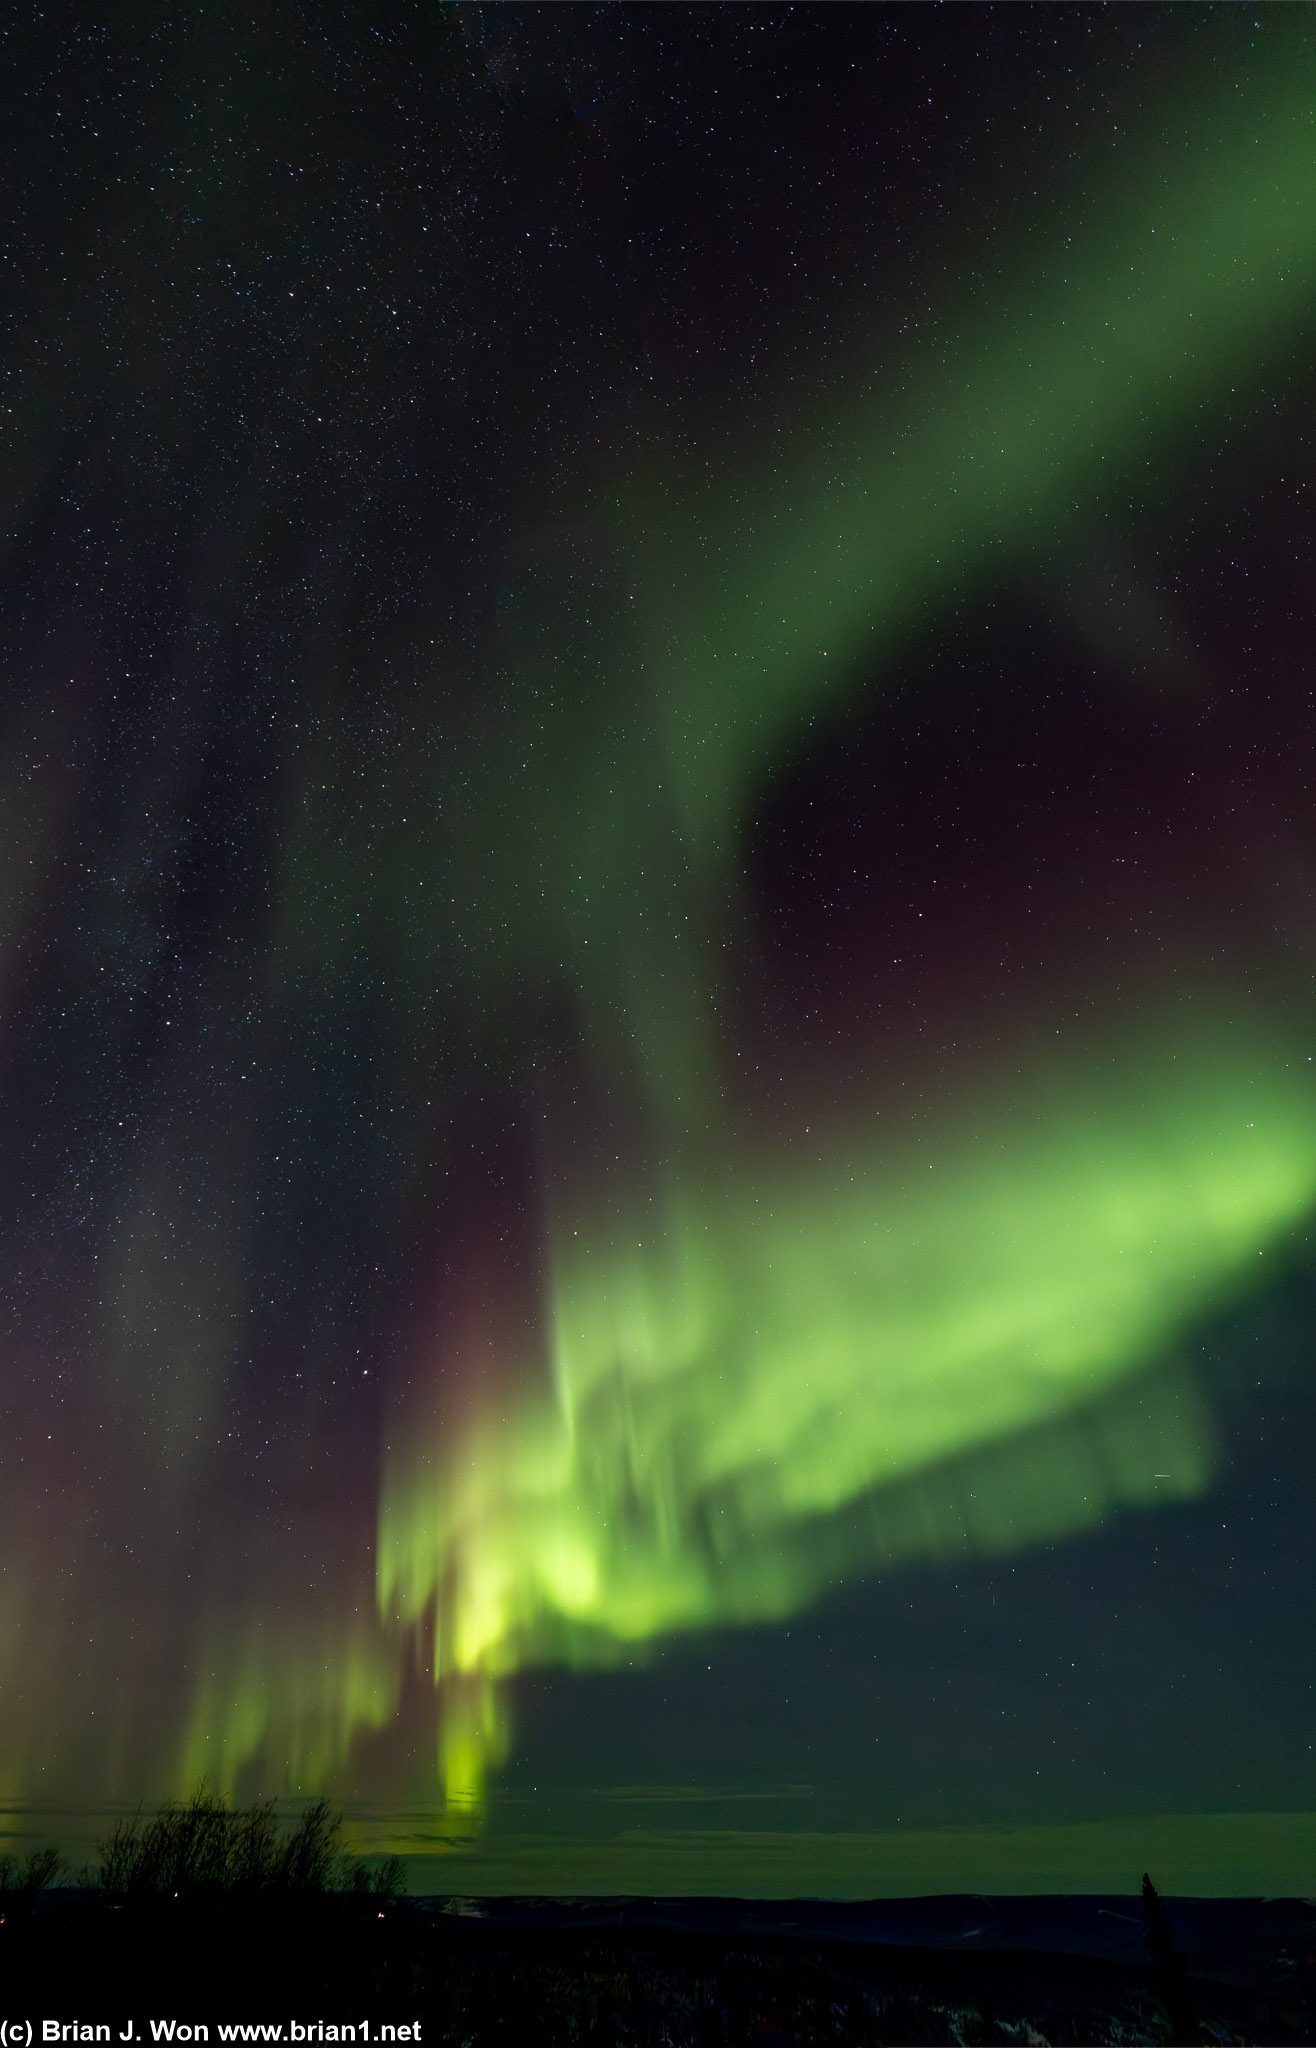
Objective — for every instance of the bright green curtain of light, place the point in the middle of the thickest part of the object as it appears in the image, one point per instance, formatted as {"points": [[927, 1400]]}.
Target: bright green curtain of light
{"points": [[784, 1345], [752, 1347]]}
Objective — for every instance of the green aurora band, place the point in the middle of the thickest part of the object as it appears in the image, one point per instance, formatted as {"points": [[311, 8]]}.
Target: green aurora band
{"points": [[761, 1374], [722, 1392]]}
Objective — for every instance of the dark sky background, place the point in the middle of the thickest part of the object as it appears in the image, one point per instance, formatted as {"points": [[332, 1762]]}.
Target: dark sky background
{"points": [[624, 631]]}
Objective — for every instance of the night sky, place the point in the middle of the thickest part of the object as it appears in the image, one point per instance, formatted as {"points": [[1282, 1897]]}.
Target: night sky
{"points": [[657, 931]]}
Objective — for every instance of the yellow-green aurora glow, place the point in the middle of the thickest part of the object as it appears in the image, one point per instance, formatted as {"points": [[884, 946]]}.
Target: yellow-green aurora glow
{"points": [[762, 1369]]}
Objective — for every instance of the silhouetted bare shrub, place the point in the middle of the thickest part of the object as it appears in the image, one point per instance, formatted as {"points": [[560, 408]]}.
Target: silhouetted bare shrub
{"points": [[23, 1880], [205, 1847]]}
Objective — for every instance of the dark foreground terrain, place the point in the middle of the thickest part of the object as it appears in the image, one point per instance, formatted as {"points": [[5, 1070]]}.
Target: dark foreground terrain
{"points": [[651, 1972]]}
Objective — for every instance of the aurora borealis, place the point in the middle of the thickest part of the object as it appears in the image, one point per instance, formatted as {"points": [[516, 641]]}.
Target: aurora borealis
{"points": [[657, 902]]}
